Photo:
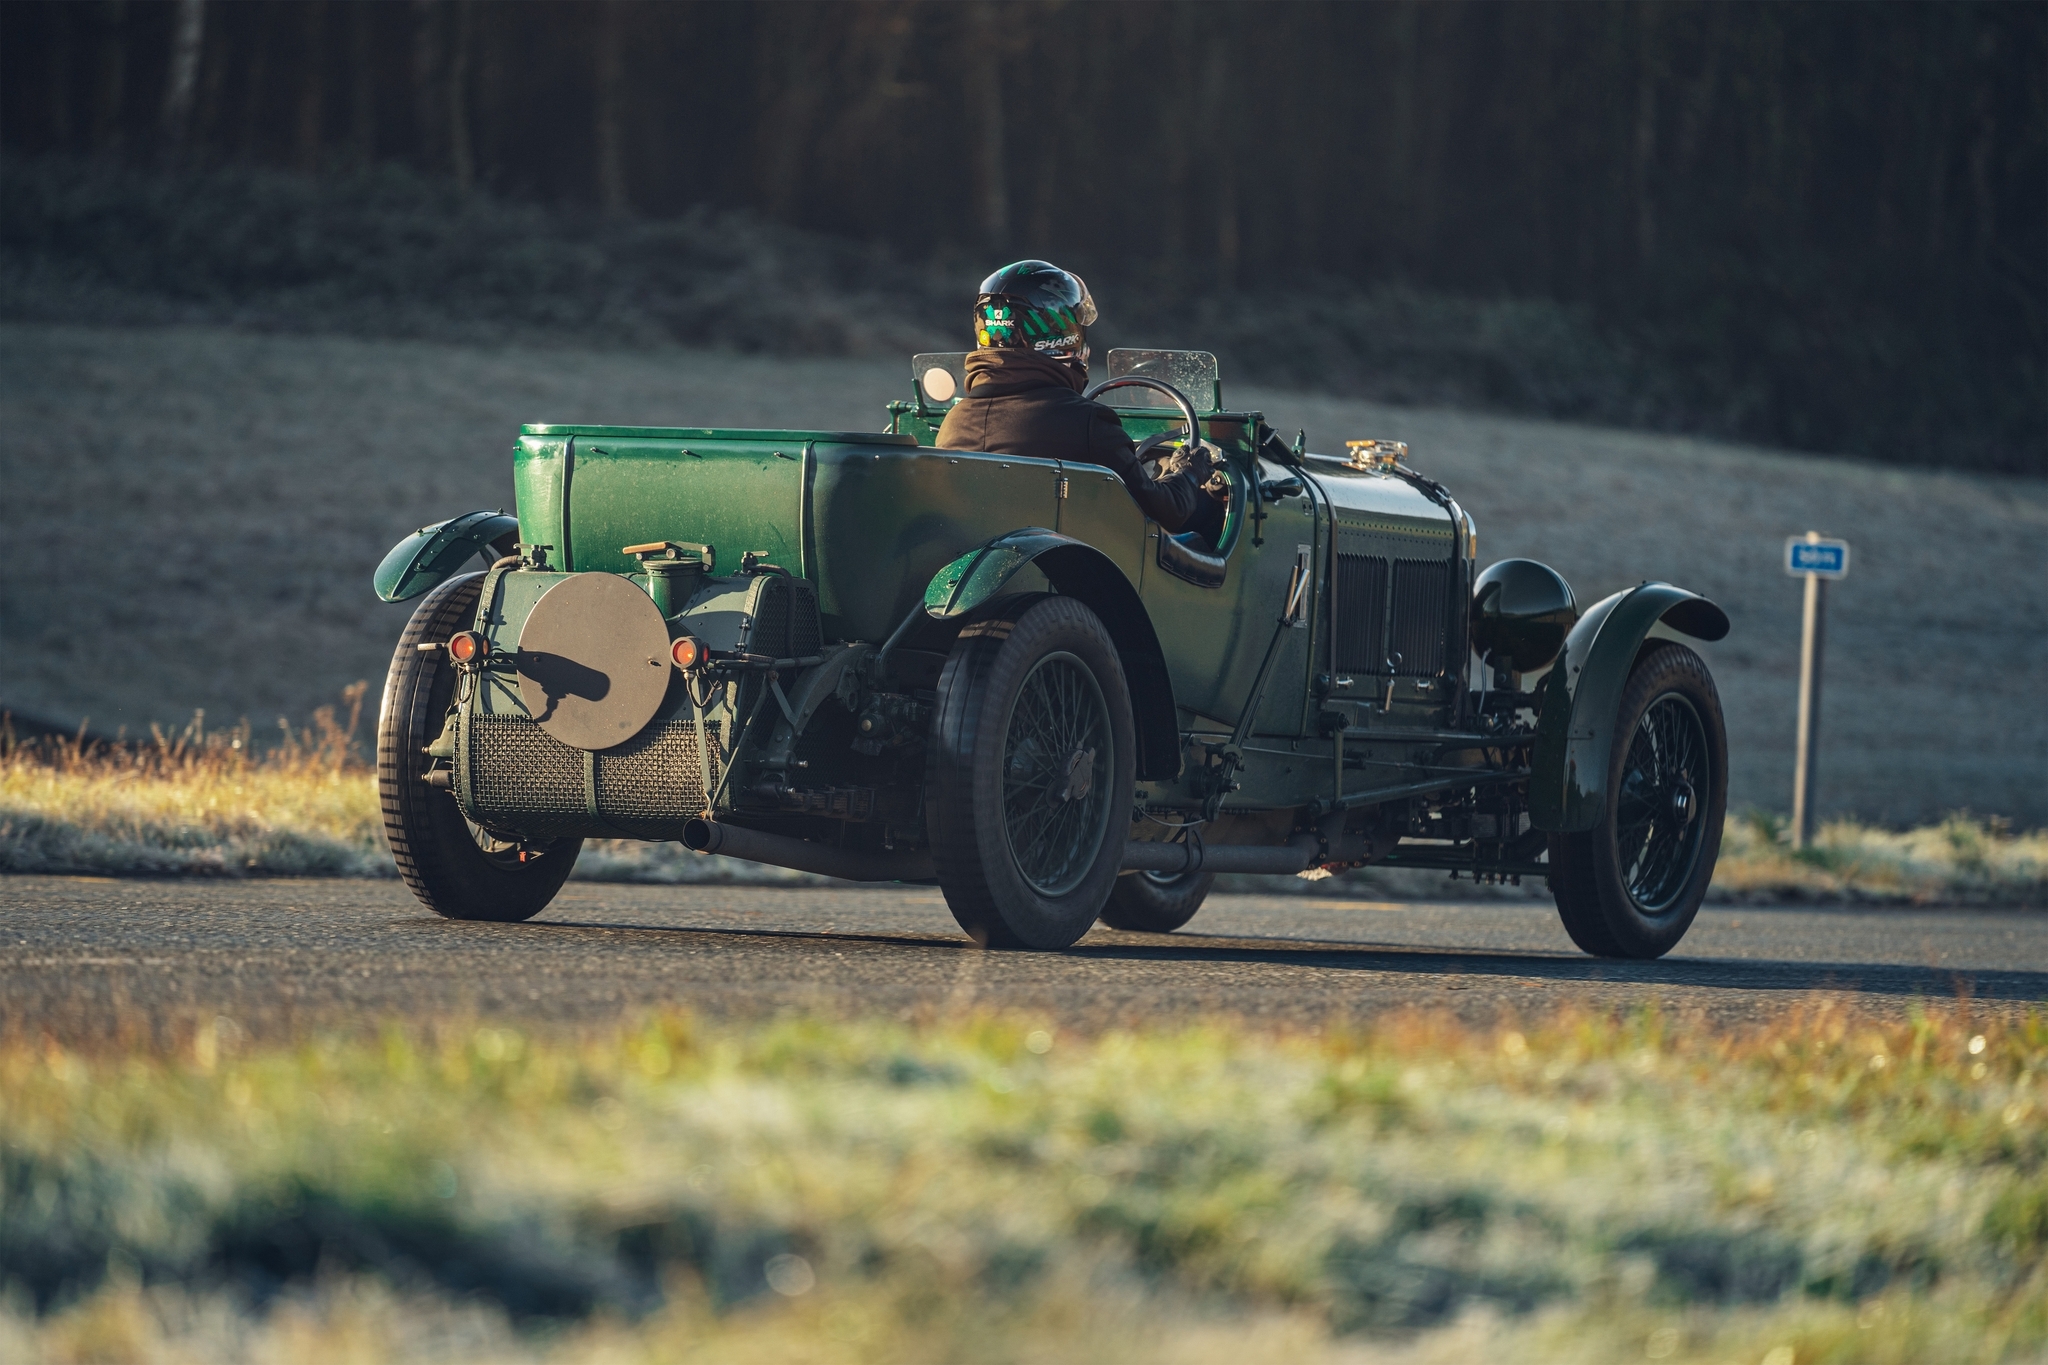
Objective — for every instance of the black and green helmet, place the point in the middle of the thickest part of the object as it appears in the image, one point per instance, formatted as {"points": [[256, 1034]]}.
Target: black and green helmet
{"points": [[1035, 306]]}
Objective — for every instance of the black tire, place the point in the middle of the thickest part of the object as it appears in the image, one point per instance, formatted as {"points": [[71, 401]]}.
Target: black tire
{"points": [[1630, 886], [1156, 902], [457, 869], [1029, 775]]}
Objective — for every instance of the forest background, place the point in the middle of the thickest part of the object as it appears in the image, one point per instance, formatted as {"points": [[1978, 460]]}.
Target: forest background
{"points": [[1822, 226]]}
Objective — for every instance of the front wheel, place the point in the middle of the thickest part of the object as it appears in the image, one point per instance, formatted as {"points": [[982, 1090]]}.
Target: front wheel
{"points": [[1030, 773], [458, 869], [1630, 886], [1156, 902]]}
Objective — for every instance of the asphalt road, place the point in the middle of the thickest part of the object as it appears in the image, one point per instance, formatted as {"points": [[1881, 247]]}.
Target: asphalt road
{"points": [[83, 959]]}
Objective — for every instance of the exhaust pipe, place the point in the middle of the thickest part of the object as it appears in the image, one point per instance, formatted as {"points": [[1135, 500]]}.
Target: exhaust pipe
{"points": [[778, 850], [1293, 856]]}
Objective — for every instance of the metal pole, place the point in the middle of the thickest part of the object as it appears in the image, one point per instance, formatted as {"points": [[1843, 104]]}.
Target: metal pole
{"points": [[1810, 643]]}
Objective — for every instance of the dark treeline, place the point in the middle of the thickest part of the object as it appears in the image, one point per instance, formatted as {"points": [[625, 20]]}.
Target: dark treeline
{"points": [[1831, 220]]}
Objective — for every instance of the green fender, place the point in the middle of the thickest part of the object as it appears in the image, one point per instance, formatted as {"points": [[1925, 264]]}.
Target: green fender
{"points": [[1080, 571], [432, 553], [1582, 694]]}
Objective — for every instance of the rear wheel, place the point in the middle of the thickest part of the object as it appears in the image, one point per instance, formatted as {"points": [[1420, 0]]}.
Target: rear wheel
{"points": [[1630, 886], [457, 869], [1031, 766], [1156, 902]]}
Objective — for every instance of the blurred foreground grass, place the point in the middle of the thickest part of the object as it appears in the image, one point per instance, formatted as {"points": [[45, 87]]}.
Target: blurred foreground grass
{"points": [[1580, 1188], [218, 804]]}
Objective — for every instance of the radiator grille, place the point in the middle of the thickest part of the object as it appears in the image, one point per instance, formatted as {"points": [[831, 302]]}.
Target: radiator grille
{"points": [[1361, 613], [528, 782], [1422, 611]]}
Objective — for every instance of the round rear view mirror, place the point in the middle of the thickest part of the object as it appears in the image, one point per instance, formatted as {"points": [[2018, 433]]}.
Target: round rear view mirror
{"points": [[938, 384]]}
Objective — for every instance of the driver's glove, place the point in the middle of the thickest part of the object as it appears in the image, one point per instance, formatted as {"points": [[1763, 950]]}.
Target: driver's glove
{"points": [[1195, 461], [1203, 464]]}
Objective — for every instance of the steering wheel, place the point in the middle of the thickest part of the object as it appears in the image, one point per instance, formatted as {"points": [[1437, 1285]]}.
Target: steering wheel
{"points": [[1149, 450], [1180, 400]]}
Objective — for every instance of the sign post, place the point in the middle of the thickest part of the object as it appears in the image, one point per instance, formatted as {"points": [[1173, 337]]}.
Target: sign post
{"points": [[1816, 560]]}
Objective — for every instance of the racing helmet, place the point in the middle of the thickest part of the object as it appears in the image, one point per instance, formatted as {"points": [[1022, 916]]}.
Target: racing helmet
{"points": [[1035, 306]]}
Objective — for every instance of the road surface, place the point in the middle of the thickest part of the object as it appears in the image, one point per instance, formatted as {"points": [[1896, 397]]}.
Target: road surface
{"points": [[84, 959]]}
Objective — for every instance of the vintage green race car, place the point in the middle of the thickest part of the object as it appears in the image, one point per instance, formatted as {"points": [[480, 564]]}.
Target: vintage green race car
{"points": [[859, 655]]}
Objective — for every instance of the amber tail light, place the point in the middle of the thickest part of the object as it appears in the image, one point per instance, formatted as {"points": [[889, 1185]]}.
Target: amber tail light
{"points": [[687, 652], [467, 647]]}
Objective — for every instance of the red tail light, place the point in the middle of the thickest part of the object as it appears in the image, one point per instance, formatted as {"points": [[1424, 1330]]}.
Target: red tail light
{"points": [[687, 651], [468, 646]]}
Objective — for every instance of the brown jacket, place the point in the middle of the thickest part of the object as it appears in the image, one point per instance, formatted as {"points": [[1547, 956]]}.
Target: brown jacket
{"points": [[1021, 403]]}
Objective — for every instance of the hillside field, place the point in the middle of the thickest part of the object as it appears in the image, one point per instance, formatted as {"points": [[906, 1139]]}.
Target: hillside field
{"points": [[192, 515]]}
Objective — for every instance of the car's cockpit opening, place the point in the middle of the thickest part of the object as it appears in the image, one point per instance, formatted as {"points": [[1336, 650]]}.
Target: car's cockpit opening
{"points": [[1170, 404]]}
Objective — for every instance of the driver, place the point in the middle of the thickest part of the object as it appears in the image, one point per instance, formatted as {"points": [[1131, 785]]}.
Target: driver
{"points": [[1023, 396]]}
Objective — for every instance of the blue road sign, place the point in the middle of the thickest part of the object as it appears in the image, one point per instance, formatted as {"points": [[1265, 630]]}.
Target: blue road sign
{"points": [[1825, 558]]}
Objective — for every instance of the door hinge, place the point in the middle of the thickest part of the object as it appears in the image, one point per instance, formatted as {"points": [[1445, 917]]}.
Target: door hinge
{"points": [[1063, 488]]}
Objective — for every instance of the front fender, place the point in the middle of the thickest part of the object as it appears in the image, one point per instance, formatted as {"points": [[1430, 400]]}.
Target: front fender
{"points": [[432, 553], [1582, 694], [1077, 569]]}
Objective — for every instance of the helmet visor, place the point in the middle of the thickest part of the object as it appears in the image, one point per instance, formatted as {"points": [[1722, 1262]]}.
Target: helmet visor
{"points": [[1084, 307]]}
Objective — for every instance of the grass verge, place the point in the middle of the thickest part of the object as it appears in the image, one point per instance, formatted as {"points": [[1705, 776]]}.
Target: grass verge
{"points": [[195, 803], [205, 803], [214, 804], [1963, 860], [1582, 1188]]}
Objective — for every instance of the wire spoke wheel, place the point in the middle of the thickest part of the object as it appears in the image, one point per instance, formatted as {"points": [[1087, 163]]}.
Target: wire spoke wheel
{"points": [[1030, 770], [1056, 774], [1631, 885], [1156, 902], [1657, 836]]}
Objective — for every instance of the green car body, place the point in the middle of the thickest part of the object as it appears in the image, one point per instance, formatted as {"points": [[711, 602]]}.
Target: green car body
{"points": [[1306, 682]]}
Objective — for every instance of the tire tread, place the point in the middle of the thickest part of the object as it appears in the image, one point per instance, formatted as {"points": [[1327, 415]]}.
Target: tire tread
{"points": [[1592, 902], [436, 857], [966, 729]]}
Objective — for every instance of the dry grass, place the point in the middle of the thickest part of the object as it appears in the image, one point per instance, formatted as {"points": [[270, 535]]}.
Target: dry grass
{"points": [[220, 803], [1961, 861], [1576, 1188], [195, 803], [202, 803]]}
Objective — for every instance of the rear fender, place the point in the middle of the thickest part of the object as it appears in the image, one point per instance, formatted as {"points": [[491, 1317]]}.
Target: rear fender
{"points": [[1582, 693], [432, 553], [1080, 571]]}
